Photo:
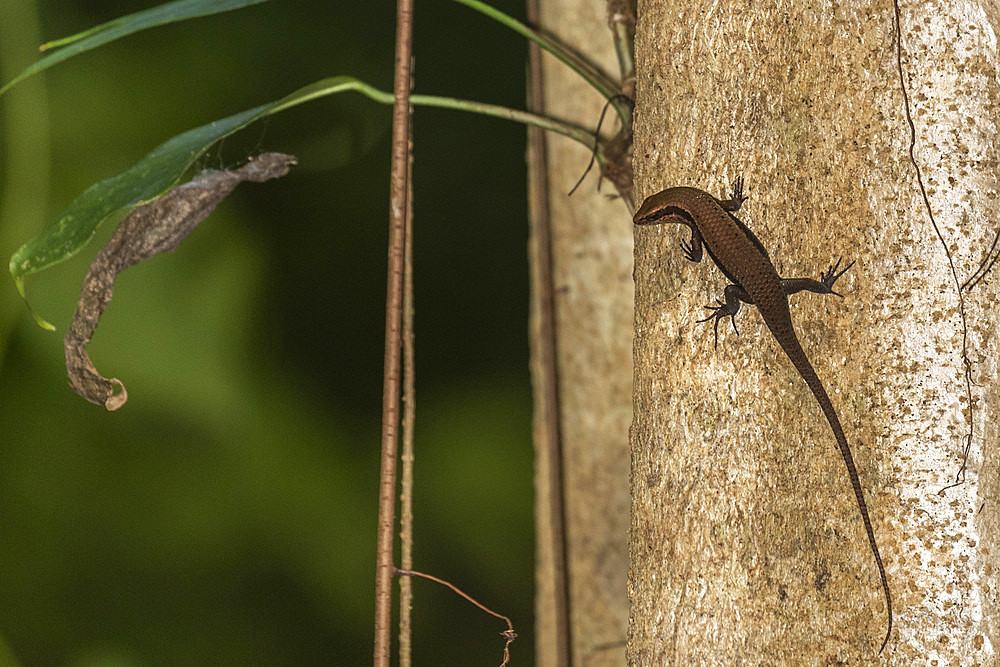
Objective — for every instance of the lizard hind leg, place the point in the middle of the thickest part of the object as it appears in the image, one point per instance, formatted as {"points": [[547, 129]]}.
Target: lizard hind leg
{"points": [[734, 294], [822, 286]]}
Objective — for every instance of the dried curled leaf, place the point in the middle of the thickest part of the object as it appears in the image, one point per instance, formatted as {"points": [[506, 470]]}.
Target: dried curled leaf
{"points": [[149, 230]]}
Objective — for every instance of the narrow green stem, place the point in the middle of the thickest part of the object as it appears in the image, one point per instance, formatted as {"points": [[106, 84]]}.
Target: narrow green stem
{"points": [[599, 81], [340, 84], [624, 39], [575, 132]]}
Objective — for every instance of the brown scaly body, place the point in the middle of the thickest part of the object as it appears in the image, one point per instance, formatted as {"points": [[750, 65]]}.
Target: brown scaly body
{"points": [[754, 280]]}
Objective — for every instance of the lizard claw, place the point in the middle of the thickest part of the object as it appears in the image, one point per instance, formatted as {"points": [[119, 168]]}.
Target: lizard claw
{"points": [[687, 250], [831, 275], [718, 312], [738, 197]]}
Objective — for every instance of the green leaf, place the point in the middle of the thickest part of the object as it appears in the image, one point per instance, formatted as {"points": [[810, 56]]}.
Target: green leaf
{"points": [[591, 75], [126, 25], [156, 173], [575, 61], [161, 169], [150, 177]]}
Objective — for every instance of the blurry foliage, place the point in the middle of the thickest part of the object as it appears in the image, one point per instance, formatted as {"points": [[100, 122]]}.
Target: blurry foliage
{"points": [[226, 515]]}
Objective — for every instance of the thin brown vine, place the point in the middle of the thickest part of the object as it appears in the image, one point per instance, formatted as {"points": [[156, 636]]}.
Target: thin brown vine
{"points": [[398, 207], [960, 475], [507, 634], [989, 259]]}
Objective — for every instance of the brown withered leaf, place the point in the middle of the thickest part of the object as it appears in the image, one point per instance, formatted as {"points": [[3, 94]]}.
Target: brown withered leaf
{"points": [[149, 230]]}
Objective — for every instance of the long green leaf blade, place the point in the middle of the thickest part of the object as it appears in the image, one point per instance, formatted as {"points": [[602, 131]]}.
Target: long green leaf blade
{"points": [[161, 169], [153, 175], [170, 12], [150, 177], [599, 81]]}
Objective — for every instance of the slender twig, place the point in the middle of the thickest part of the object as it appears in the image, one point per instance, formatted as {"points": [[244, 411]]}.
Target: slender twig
{"points": [[596, 150], [984, 266], [406, 458], [544, 358], [398, 190], [508, 634]]}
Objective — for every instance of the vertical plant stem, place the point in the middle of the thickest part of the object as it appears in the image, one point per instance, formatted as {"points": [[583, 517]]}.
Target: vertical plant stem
{"points": [[544, 371], [409, 416], [398, 190], [621, 19]]}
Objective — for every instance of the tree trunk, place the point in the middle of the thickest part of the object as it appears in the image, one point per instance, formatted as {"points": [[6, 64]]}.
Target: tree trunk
{"points": [[746, 544], [581, 441]]}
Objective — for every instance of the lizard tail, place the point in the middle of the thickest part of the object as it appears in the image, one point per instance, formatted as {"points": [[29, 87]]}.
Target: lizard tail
{"points": [[798, 358]]}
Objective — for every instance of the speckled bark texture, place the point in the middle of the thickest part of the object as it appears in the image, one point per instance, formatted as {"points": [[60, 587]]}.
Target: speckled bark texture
{"points": [[592, 266], [746, 546]]}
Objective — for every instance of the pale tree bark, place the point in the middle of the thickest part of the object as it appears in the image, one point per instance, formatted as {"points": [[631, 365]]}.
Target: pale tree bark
{"points": [[582, 607], [746, 546]]}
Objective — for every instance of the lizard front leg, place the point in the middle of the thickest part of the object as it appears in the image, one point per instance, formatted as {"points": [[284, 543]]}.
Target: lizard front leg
{"points": [[693, 250], [736, 199], [734, 295]]}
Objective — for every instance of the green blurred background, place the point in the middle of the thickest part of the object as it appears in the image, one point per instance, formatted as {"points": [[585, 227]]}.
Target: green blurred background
{"points": [[226, 515]]}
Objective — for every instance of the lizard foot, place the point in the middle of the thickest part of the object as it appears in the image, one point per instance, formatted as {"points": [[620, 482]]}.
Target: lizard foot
{"points": [[720, 311], [831, 275], [688, 251]]}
